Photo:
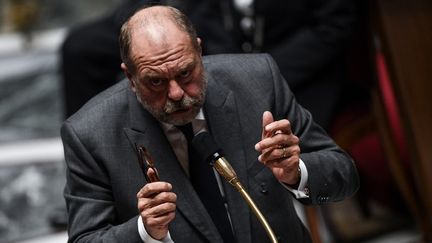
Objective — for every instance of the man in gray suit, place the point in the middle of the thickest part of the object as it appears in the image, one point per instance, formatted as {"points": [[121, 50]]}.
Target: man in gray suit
{"points": [[273, 144]]}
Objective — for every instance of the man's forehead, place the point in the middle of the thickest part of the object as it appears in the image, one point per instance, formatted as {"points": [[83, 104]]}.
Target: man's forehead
{"points": [[179, 66], [156, 46]]}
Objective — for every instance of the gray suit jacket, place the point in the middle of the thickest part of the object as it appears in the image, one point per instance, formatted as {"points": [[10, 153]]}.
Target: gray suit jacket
{"points": [[103, 175]]}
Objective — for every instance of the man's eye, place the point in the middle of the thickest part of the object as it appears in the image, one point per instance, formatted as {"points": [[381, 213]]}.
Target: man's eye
{"points": [[156, 82], [184, 74]]}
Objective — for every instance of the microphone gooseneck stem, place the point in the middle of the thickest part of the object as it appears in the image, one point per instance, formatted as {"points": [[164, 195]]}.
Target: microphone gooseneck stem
{"points": [[225, 170]]}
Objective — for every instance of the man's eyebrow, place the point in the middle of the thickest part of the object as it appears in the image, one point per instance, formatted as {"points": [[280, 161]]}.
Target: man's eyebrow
{"points": [[188, 66], [151, 75], [148, 74]]}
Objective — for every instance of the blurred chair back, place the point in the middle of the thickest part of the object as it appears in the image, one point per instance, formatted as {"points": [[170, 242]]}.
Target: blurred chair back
{"points": [[402, 103]]}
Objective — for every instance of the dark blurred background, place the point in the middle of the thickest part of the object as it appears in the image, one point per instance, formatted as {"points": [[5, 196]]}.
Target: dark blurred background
{"points": [[382, 117]]}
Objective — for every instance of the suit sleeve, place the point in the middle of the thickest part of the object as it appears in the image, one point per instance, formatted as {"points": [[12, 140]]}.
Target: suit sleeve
{"points": [[89, 197], [332, 175]]}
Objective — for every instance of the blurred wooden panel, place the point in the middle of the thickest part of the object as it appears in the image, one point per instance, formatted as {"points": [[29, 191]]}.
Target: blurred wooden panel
{"points": [[405, 34]]}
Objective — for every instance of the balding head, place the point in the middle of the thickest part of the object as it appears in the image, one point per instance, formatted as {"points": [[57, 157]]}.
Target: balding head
{"points": [[153, 21]]}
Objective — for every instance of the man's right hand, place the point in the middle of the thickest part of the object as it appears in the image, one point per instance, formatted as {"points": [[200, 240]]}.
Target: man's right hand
{"points": [[157, 205]]}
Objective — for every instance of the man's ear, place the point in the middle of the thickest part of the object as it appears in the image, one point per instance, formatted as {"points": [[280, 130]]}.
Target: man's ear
{"points": [[128, 75]]}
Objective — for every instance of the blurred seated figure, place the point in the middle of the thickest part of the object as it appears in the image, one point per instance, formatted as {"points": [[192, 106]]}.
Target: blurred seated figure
{"points": [[306, 38]]}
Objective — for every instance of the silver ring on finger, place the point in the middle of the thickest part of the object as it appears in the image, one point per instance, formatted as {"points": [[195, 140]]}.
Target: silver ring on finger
{"points": [[284, 152]]}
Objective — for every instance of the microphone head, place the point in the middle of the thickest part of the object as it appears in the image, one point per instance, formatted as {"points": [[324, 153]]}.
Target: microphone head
{"points": [[206, 147]]}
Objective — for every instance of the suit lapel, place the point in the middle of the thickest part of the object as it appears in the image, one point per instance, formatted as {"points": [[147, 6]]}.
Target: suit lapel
{"points": [[145, 131], [223, 122]]}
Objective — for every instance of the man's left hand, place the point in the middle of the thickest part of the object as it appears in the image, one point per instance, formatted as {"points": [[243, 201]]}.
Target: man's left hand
{"points": [[280, 150]]}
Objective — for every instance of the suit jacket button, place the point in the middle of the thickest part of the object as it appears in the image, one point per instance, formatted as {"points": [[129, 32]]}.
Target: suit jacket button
{"points": [[263, 188], [306, 191]]}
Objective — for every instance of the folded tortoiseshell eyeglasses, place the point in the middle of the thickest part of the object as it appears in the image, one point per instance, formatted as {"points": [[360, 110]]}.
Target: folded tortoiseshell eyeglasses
{"points": [[146, 162]]}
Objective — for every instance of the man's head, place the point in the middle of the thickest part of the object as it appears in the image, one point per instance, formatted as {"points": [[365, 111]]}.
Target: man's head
{"points": [[162, 59]]}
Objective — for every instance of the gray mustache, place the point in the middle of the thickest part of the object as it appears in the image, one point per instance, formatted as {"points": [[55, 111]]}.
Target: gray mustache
{"points": [[185, 103]]}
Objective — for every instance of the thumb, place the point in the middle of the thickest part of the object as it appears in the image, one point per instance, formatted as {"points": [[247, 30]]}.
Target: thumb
{"points": [[267, 118], [152, 175]]}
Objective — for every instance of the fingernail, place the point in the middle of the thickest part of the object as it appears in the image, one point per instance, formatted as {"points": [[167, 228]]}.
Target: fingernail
{"points": [[257, 147]]}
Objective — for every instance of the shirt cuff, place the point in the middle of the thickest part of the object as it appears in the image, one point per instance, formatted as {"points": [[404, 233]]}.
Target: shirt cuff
{"points": [[302, 191], [145, 237]]}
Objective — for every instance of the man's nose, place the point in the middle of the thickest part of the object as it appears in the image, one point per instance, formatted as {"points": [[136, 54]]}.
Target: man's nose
{"points": [[175, 92]]}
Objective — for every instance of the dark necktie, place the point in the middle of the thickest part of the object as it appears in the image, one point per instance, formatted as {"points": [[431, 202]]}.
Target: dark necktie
{"points": [[203, 180]]}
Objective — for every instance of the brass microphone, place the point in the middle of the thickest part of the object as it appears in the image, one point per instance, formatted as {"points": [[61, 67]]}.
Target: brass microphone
{"points": [[207, 148]]}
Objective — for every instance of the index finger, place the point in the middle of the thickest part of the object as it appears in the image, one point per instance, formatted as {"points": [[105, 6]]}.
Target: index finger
{"points": [[280, 126], [154, 188]]}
